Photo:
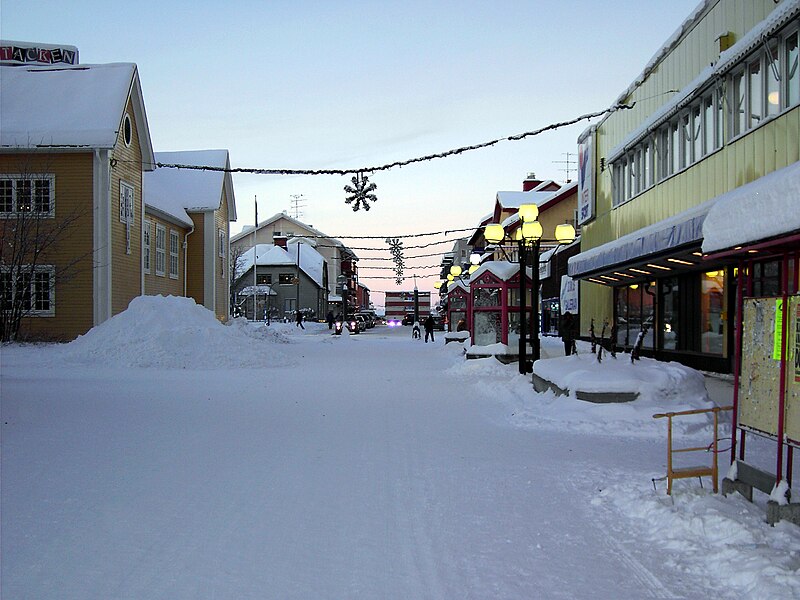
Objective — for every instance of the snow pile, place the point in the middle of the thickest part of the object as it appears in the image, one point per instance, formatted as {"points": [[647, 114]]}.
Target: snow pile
{"points": [[651, 379], [662, 387], [171, 332], [724, 541]]}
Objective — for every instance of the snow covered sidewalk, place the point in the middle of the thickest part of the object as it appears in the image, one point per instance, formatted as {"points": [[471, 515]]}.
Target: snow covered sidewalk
{"points": [[367, 466]]}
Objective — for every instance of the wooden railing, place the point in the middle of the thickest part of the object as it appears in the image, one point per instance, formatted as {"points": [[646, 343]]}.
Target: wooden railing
{"points": [[693, 471]]}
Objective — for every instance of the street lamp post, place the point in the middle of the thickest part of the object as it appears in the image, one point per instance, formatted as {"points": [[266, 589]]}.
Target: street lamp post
{"points": [[528, 237]]}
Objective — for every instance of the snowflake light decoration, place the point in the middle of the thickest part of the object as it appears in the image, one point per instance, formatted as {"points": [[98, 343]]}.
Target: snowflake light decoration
{"points": [[361, 192], [396, 248]]}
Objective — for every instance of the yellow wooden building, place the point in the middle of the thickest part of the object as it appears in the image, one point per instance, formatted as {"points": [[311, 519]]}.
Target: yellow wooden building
{"points": [[73, 167], [717, 107], [187, 228]]}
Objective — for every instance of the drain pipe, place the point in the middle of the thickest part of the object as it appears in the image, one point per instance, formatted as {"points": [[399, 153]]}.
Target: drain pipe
{"points": [[185, 259]]}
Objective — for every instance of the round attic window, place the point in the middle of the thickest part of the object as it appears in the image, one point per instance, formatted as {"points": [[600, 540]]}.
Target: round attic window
{"points": [[127, 130]]}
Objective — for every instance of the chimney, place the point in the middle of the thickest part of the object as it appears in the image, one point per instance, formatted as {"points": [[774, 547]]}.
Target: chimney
{"points": [[279, 240], [530, 182]]}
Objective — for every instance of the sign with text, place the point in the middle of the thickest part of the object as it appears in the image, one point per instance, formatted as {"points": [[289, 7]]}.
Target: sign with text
{"points": [[569, 295], [586, 178], [23, 53]]}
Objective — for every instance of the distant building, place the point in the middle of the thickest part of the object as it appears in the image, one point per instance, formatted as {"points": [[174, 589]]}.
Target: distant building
{"points": [[401, 304]]}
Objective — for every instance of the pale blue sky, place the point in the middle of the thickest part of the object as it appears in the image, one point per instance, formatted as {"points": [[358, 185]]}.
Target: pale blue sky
{"points": [[355, 84]]}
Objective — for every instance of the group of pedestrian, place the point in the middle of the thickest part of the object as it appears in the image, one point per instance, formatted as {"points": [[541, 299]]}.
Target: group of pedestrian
{"points": [[428, 325]]}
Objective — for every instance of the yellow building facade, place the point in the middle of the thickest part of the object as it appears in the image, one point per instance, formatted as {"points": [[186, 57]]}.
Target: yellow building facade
{"points": [[716, 108]]}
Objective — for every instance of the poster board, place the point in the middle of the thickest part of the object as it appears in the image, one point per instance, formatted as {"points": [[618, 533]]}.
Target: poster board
{"points": [[792, 427], [760, 378], [761, 366]]}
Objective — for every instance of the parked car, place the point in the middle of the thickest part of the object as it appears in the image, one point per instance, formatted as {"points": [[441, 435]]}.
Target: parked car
{"points": [[369, 319], [408, 320]]}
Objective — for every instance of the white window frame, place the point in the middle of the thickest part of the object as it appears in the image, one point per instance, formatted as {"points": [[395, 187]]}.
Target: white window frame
{"points": [[174, 251], [147, 235], [33, 178], [161, 249], [50, 270], [221, 239]]}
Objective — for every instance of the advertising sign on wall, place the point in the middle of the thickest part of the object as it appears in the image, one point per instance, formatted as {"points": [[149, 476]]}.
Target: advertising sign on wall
{"points": [[586, 177], [569, 295]]}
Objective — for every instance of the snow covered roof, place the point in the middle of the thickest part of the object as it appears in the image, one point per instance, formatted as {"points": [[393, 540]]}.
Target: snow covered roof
{"points": [[501, 269], [176, 191], [765, 208], [270, 255], [260, 289], [79, 106], [512, 200], [247, 229]]}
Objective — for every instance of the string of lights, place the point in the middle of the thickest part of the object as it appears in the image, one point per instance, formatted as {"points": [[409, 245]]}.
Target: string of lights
{"points": [[400, 163], [446, 241], [384, 237]]}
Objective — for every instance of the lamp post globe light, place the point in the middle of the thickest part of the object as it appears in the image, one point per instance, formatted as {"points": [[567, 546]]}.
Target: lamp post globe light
{"points": [[528, 238]]}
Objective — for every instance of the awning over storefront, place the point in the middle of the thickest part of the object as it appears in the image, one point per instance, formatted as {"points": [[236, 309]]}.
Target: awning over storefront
{"points": [[766, 208], [676, 232]]}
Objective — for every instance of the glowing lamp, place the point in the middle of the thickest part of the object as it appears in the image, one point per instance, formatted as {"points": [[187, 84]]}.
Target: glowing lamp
{"points": [[565, 233], [474, 258], [473, 268], [531, 230], [455, 270], [450, 277], [494, 233], [528, 212], [437, 285]]}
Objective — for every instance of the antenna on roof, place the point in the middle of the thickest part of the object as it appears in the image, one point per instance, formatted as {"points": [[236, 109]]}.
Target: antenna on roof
{"points": [[571, 165], [298, 203]]}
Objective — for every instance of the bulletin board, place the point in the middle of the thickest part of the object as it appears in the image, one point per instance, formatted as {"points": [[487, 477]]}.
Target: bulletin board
{"points": [[759, 390], [793, 373], [760, 378]]}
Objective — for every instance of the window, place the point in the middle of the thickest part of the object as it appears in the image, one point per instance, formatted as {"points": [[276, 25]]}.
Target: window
{"points": [[755, 92], [709, 136], [738, 121], [264, 279], [174, 240], [127, 130], [286, 278], [126, 213], [27, 194], [773, 83], [147, 232], [792, 71], [222, 244], [35, 287], [696, 133], [712, 325], [161, 249]]}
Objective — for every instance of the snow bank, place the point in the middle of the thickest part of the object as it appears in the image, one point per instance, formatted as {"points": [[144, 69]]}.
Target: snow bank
{"points": [[721, 540], [172, 332], [662, 387]]}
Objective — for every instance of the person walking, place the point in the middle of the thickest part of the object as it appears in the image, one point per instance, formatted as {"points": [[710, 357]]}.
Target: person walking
{"points": [[429, 323], [299, 321], [330, 319], [568, 333], [415, 331]]}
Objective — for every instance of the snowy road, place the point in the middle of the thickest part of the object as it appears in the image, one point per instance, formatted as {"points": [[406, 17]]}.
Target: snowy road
{"points": [[365, 470]]}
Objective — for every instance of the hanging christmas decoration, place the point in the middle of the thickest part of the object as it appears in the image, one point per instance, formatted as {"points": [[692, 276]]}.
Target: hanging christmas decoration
{"points": [[396, 248], [360, 192]]}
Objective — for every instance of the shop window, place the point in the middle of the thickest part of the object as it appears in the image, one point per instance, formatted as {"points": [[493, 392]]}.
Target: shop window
{"points": [[767, 279], [773, 83], [285, 278], [264, 279], [634, 314], [487, 327], [712, 325], [486, 297], [754, 84], [670, 310], [513, 330]]}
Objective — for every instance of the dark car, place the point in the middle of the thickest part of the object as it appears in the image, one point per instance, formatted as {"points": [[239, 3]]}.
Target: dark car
{"points": [[408, 320]]}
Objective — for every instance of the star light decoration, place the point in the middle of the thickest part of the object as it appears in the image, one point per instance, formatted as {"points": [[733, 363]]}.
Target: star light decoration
{"points": [[396, 248], [360, 192]]}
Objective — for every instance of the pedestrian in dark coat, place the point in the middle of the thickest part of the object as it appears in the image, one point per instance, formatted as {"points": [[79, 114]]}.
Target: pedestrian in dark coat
{"points": [[429, 323], [299, 322], [330, 319], [568, 332]]}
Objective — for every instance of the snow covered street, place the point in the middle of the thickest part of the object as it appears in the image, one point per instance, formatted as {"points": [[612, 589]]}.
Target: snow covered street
{"points": [[368, 466]]}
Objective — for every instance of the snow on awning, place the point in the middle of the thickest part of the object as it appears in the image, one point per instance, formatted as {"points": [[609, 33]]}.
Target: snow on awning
{"points": [[675, 232], [762, 209]]}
